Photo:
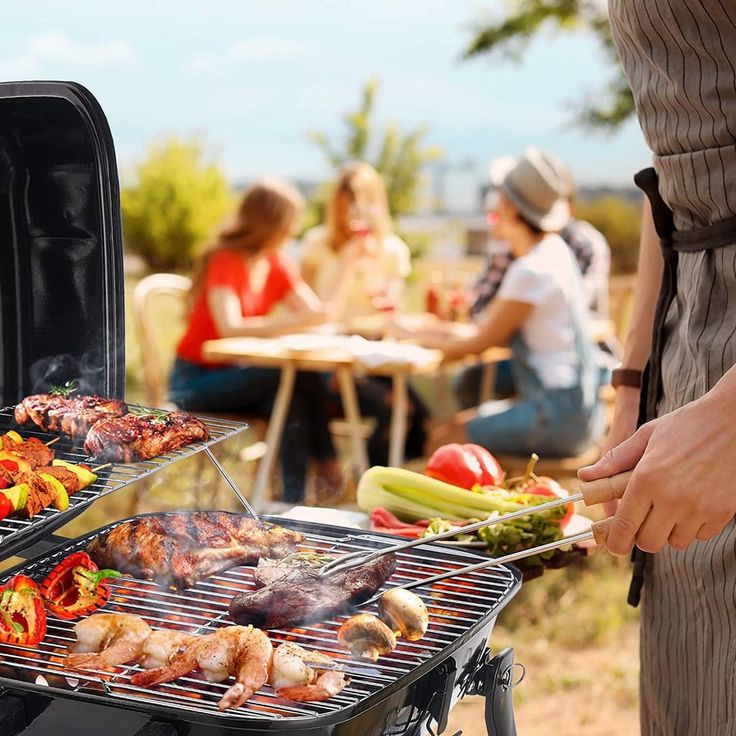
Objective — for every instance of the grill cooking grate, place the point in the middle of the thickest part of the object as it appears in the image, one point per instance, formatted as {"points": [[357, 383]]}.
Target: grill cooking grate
{"points": [[456, 606], [18, 533]]}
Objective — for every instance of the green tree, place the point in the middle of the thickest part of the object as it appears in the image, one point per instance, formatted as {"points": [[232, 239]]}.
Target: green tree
{"points": [[619, 220], [398, 156], [177, 197], [512, 33]]}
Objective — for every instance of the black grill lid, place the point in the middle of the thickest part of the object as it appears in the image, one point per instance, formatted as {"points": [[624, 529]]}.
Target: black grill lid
{"points": [[61, 271]]}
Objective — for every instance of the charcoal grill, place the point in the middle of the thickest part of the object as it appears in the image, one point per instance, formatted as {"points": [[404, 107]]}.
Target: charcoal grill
{"points": [[397, 695], [62, 318]]}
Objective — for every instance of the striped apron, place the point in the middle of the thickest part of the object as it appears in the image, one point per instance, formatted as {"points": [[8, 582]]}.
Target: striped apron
{"points": [[680, 58]]}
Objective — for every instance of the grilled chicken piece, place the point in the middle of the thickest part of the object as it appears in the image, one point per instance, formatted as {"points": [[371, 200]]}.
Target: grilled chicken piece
{"points": [[133, 437], [31, 450], [41, 494], [73, 415], [181, 549], [300, 595], [68, 479]]}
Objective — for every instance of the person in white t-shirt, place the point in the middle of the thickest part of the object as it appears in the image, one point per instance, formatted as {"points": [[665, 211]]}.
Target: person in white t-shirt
{"points": [[540, 312], [357, 266]]}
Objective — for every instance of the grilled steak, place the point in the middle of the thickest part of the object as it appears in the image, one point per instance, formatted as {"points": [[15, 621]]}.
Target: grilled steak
{"points": [[301, 596], [73, 415], [179, 549], [135, 437]]}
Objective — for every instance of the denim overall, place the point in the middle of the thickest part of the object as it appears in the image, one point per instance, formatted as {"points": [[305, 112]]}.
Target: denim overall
{"points": [[548, 421]]}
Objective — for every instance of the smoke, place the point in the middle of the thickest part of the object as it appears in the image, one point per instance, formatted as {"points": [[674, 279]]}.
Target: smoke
{"points": [[87, 370]]}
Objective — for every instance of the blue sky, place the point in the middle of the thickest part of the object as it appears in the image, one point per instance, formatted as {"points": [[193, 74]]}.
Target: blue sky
{"points": [[254, 76]]}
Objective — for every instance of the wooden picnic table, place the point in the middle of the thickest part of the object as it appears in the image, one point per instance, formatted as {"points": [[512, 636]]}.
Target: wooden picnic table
{"points": [[347, 357]]}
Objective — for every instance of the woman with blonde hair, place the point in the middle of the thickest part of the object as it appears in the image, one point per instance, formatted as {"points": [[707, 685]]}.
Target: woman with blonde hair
{"points": [[358, 266], [238, 282]]}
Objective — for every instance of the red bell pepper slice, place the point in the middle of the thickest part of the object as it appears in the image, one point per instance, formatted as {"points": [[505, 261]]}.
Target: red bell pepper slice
{"points": [[4, 483], [74, 588], [22, 616], [10, 465]]}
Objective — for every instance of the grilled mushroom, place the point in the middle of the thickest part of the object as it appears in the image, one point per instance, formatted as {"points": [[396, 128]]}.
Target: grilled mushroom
{"points": [[366, 636], [404, 613]]}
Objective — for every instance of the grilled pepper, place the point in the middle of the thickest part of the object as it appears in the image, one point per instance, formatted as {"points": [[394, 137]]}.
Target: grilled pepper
{"points": [[74, 588], [22, 616]]}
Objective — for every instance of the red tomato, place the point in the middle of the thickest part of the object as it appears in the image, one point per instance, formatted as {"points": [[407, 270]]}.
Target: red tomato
{"points": [[452, 464], [559, 492], [5, 506], [491, 473]]}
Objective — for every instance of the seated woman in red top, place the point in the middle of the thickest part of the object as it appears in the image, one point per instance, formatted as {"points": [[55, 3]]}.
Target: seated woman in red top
{"points": [[239, 281]]}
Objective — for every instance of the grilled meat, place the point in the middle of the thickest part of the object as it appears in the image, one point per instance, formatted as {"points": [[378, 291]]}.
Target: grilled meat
{"points": [[31, 450], [181, 549], [301, 596], [68, 479], [134, 437], [73, 415], [41, 494]]}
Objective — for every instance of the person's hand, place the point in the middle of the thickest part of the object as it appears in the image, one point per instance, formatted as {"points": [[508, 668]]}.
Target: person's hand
{"points": [[682, 487], [625, 417]]}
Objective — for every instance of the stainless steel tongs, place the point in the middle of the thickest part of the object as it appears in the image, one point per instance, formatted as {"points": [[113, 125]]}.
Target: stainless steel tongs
{"points": [[591, 494]]}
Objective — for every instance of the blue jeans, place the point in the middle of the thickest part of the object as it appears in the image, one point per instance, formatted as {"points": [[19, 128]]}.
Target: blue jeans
{"points": [[554, 425], [252, 390]]}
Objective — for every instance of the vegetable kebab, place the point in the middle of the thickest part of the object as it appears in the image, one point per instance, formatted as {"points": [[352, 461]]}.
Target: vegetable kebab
{"points": [[29, 484]]}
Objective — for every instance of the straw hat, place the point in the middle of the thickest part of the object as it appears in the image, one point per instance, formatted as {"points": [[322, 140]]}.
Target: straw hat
{"points": [[538, 184]]}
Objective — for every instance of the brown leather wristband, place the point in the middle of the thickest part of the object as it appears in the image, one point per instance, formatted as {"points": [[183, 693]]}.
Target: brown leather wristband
{"points": [[626, 377]]}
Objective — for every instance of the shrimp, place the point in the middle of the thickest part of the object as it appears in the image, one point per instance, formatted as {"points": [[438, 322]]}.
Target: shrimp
{"points": [[293, 678], [252, 666], [107, 639], [162, 646], [241, 651]]}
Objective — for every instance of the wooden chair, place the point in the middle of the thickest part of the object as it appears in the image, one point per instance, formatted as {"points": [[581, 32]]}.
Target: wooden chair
{"points": [[147, 295]]}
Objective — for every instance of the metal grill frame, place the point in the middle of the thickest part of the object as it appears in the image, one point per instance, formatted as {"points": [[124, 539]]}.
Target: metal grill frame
{"points": [[478, 613], [17, 534]]}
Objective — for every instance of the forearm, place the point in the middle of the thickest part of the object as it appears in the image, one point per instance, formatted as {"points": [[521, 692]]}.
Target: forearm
{"points": [[649, 275], [269, 326]]}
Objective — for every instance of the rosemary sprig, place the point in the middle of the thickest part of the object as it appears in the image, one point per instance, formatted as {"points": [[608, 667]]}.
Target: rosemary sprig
{"points": [[66, 390], [157, 416]]}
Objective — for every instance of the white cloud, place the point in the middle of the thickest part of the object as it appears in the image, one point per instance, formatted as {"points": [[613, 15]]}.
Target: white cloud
{"points": [[58, 47], [48, 49], [266, 49], [19, 67], [261, 49]]}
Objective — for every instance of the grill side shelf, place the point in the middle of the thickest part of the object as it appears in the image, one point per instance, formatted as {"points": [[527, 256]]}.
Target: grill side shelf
{"points": [[17, 534]]}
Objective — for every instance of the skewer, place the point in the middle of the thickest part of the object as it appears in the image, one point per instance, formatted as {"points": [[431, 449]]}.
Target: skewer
{"points": [[101, 467], [598, 531], [591, 493], [51, 442]]}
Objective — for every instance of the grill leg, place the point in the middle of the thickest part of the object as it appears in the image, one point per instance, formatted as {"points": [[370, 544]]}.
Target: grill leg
{"points": [[497, 689]]}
